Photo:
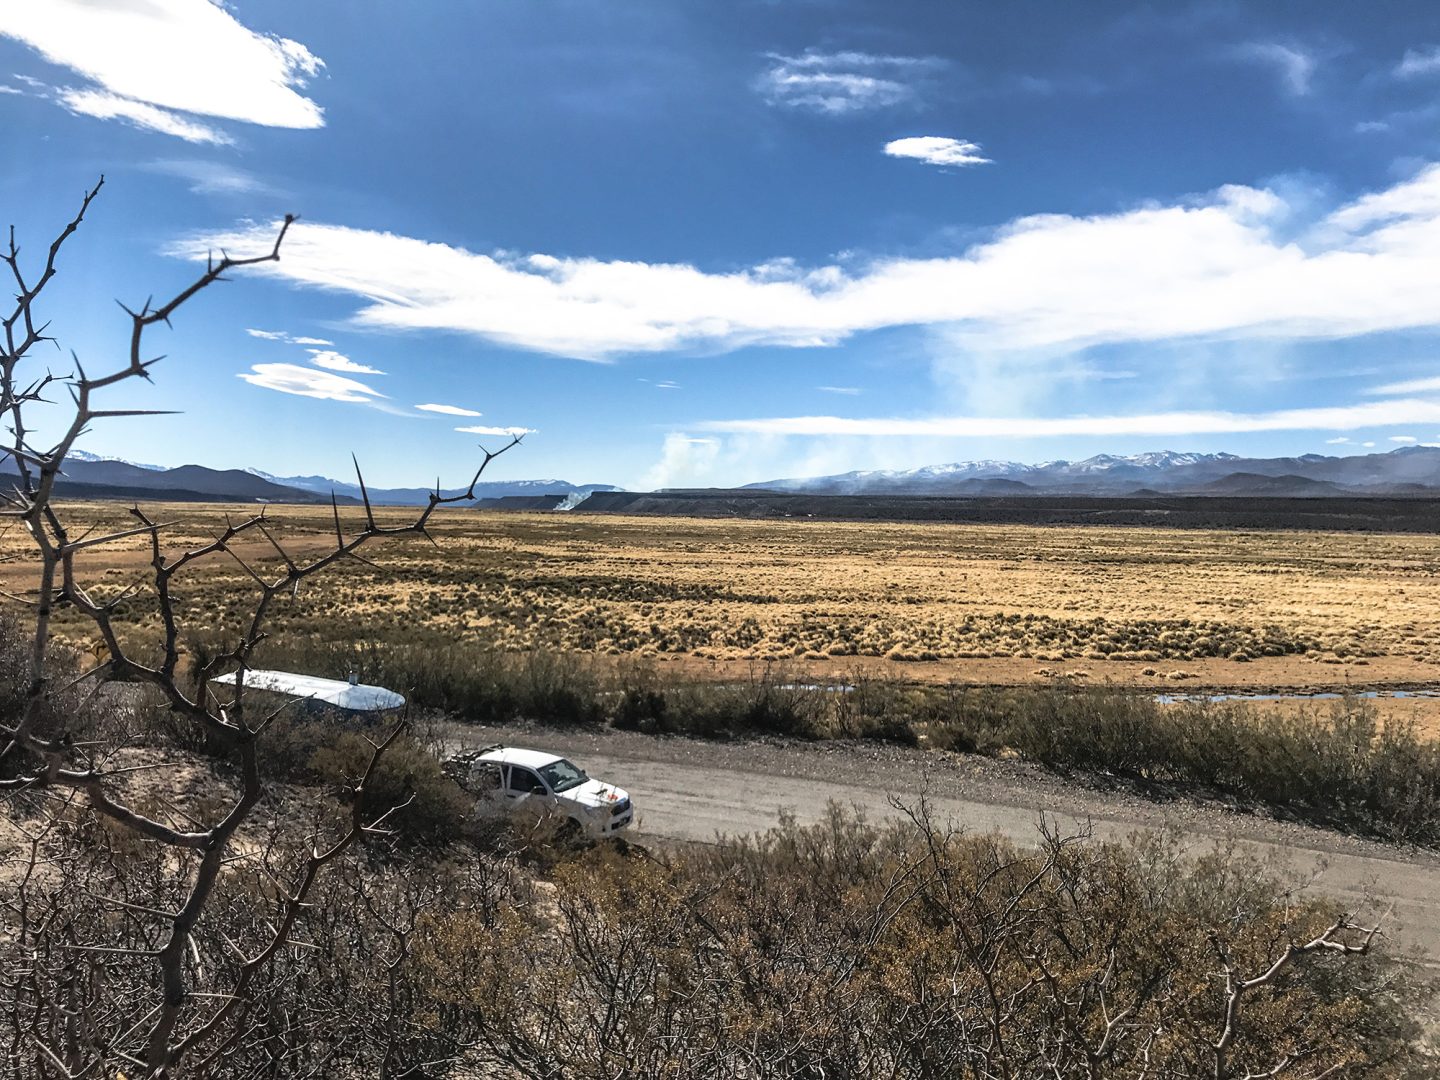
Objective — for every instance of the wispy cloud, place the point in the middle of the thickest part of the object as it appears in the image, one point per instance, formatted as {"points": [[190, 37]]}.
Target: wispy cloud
{"points": [[838, 83], [1404, 439], [1337, 418], [667, 384], [213, 177], [334, 361], [481, 429], [448, 410], [937, 150], [1409, 386], [849, 390], [107, 106], [309, 382], [148, 61], [1419, 62], [1241, 262], [1339, 440], [1294, 64], [281, 335]]}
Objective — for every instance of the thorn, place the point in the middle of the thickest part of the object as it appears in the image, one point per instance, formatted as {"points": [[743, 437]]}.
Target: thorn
{"points": [[365, 494]]}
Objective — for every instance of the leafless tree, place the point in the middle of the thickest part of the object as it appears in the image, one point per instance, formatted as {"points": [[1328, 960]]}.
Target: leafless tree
{"points": [[92, 1033]]}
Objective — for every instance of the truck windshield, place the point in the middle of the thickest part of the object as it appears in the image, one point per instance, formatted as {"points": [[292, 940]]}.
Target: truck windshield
{"points": [[562, 776]]}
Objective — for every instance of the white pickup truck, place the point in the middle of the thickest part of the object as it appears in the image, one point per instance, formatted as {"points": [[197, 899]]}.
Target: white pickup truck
{"points": [[512, 777]]}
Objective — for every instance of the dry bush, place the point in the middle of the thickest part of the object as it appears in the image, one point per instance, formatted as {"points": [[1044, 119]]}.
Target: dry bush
{"points": [[843, 950]]}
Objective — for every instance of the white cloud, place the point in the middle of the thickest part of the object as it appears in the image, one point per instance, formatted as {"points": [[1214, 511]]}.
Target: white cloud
{"points": [[1342, 418], [1419, 62], [310, 341], [103, 106], [1409, 386], [189, 56], [1240, 263], [838, 83], [1339, 440], [1404, 439], [850, 390], [449, 410], [1294, 64], [1368, 444], [667, 384], [10, 89], [334, 361], [481, 429], [937, 150], [308, 382]]}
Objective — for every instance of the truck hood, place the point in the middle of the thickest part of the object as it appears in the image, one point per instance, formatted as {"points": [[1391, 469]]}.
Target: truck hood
{"points": [[593, 794]]}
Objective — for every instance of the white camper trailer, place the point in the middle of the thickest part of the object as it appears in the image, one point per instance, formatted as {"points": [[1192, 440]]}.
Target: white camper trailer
{"points": [[345, 696]]}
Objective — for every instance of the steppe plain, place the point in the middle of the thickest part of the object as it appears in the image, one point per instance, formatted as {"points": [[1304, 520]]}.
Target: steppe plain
{"points": [[1176, 610]]}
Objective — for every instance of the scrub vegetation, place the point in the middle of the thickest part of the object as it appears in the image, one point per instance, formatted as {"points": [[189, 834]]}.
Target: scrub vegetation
{"points": [[1324, 605]]}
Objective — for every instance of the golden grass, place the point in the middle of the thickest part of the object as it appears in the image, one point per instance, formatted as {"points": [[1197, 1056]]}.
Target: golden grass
{"points": [[1001, 601]]}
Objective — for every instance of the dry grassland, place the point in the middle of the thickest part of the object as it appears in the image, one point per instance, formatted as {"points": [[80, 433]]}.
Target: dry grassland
{"points": [[990, 603]]}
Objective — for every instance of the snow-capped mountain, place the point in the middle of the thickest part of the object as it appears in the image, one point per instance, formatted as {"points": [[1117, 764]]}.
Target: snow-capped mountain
{"points": [[85, 455], [1408, 470]]}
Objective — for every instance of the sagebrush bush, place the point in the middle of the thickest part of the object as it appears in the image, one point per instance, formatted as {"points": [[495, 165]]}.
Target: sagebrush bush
{"points": [[333, 751], [1337, 765], [75, 713]]}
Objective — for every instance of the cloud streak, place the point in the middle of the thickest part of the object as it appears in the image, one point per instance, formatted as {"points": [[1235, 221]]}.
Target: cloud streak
{"points": [[334, 361], [1238, 263], [1337, 418], [1409, 386], [448, 410], [213, 178], [1295, 65], [107, 106], [482, 429], [309, 382], [842, 83]]}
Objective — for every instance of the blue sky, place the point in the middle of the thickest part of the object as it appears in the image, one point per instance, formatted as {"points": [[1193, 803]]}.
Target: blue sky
{"points": [[694, 243]]}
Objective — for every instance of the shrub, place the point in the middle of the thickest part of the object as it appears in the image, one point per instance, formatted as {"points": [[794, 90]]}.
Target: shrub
{"points": [[1337, 766]]}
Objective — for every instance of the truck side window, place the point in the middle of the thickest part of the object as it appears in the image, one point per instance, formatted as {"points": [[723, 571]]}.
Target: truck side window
{"points": [[523, 781], [485, 777]]}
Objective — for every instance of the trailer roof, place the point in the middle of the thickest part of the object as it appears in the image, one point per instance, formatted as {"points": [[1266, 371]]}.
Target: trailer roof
{"points": [[354, 697]]}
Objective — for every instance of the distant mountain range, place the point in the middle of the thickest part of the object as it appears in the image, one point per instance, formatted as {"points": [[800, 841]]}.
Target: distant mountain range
{"points": [[1410, 470], [88, 475], [497, 489]]}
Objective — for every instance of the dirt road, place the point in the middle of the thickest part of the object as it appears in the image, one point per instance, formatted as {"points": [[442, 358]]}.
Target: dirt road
{"points": [[691, 790]]}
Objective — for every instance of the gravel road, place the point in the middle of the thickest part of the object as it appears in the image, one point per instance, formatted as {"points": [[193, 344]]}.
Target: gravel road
{"points": [[693, 790]]}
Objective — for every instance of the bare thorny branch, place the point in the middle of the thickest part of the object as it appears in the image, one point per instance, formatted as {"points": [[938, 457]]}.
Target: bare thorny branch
{"points": [[173, 1028]]}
